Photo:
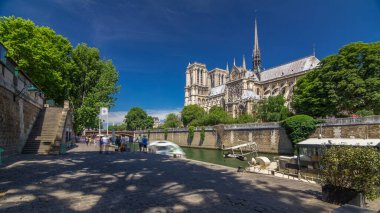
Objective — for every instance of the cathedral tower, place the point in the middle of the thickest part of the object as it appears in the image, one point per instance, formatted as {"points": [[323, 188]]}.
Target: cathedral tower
{"points": [[256, 57]]}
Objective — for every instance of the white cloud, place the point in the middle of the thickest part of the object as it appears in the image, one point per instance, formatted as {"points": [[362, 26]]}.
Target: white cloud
{"points": [[162, 113], [118, 116]]}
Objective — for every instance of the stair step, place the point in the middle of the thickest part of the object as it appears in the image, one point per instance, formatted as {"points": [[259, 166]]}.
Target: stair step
{"points": [[44, 131]]}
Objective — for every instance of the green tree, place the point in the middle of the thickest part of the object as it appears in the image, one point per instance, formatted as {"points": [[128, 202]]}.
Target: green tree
{"points": [[62, 73], [245, 118], [273, 109], [138, 119], [40, 52], [216, 115], [93, 85], [172, 121], [118, 127], [299, 127], [342, 84], [352, 168], [191, 113]]}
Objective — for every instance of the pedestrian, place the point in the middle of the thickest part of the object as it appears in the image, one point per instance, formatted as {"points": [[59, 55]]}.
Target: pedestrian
{"points": [[87, 140], [94, 139], [123, 144], [106, 141], [101, 144], [145, 143], [139, 140]]}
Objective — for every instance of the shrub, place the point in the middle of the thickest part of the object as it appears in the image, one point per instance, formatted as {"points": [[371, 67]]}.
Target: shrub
{"points": [[299, 127], [364, 112], [203, 134], [245, 118], [351, 167], [191, 132], [166, 133]]}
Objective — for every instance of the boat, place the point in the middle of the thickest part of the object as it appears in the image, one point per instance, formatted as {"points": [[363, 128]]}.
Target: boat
{"points": [[240, 151], [167, 148]]}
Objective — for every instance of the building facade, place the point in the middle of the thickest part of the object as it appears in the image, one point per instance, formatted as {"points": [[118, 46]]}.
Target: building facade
{"points": [[237, 89]]}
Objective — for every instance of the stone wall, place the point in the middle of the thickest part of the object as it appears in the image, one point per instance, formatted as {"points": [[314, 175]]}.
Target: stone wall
{"points": [[270, 137], [17, 114]]}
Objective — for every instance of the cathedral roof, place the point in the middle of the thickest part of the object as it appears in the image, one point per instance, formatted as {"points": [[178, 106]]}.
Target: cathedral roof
{"points": [[217, 90], [248, 94], [290, 68]]}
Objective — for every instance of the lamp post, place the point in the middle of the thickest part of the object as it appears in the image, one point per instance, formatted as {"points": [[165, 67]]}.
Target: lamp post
{"points": [[30, 88]]}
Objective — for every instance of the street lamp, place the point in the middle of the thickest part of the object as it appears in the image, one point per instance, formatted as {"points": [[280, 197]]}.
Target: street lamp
{"points": [[29, 88]]}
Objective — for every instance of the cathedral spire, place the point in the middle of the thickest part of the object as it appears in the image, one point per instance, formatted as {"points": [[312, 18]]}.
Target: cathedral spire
{"points": [[227, 67], [234, 62], [256, 57], [244, 67]]}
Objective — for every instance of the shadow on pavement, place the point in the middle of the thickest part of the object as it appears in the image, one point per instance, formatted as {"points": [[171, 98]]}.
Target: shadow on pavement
{"points": [[140, 182]]}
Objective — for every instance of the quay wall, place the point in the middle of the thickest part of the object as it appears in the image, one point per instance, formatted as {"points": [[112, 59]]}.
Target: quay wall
{"points": [[17, 114], [270, 137]]}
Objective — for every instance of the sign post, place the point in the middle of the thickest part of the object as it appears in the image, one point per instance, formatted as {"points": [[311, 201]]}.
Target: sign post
{"points": [[104, 111]]}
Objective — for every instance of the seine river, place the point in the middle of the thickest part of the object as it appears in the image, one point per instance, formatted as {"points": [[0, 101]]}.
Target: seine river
{"points": [[216, 157]]}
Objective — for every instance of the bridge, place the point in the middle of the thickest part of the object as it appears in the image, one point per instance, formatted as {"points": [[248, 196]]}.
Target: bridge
{"points": [[104, 132]]}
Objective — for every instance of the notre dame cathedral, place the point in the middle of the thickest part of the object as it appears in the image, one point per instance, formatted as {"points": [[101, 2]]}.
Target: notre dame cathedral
{"points": [[237, 90]]}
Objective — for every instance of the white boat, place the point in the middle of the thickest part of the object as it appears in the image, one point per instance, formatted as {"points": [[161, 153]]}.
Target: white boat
{"points": [[168, 148]]}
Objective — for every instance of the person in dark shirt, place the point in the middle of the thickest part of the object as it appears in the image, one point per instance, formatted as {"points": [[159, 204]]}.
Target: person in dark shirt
{"points": [[145, 143]]}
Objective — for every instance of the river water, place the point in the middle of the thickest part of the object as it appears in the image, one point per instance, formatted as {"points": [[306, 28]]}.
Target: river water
{"points": [[216, 157]]}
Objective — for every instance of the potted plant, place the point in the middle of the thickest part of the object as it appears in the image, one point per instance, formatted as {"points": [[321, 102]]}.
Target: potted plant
{"points": [[350, 174]]}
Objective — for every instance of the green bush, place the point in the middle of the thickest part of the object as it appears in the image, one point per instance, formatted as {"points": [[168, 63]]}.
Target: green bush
{"points": [[166, 133], [351, 167], [364, 112], [299, 127], [191, 132], [203, 134]]}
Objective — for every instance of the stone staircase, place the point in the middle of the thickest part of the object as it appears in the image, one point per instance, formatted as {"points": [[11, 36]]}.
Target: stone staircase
{"points": [[44, 132]]}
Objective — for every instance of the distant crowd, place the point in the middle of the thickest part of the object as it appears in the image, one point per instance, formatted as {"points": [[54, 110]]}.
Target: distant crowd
{"points": [[120, 143]]}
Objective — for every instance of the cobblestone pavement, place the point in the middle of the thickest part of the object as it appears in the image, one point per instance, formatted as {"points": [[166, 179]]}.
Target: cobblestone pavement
{"points": [[85, 181]]}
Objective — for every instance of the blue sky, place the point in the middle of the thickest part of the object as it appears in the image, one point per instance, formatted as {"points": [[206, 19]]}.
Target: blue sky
{"points": [[152, 41]]}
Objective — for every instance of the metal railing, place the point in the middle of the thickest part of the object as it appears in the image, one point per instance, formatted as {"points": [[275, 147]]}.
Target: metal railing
{"points": [[375, 119]]}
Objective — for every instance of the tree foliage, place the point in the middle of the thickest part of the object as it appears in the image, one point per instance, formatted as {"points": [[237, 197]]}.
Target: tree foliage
{"points": [[191, 113], [63, 73], [203, 134], [273, 109], [299, 127], [93, 85], [245, 118], [118, 127], [172, 121], [138, 119], [351, 167], [216, 115], [364, 112], [191, 132], [343, 83], [166, 132], [40, 52]]}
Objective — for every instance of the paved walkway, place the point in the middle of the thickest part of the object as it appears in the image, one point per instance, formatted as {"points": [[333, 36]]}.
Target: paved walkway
{"points": [[86, 181]]}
